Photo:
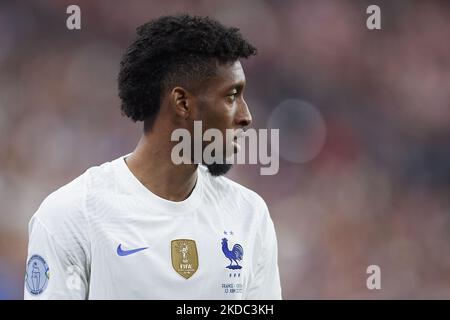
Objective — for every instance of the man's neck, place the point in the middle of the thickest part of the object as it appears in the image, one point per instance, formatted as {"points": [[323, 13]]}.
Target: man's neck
{"points": [[151, 164]]}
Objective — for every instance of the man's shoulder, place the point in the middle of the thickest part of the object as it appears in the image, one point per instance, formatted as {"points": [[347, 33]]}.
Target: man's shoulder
{"points": [[68, 202]]}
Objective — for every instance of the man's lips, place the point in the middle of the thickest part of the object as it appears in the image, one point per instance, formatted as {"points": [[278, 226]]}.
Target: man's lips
{"points": [[239, 134]]}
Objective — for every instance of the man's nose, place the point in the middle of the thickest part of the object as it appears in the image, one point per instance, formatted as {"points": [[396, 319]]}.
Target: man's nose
{"points": [[243, 115]]}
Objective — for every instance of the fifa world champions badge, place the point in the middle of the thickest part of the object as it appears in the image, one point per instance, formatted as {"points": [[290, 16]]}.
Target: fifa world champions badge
{"points": [[184, 257], [37, 275]]}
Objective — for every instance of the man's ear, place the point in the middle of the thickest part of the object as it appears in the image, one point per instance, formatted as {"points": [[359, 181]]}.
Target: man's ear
{"points": [[181, 100]]}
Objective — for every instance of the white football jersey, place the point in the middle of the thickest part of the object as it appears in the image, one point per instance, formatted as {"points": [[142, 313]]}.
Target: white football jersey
{"points": [[106, 236]]}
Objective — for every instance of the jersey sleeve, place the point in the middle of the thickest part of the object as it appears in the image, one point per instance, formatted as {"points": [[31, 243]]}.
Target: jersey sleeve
{"points": [[51, 273], [58, 249], [265, 283]]}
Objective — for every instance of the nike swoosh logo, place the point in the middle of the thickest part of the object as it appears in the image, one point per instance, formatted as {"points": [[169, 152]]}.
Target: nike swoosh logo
{"points": [[122, 252]]}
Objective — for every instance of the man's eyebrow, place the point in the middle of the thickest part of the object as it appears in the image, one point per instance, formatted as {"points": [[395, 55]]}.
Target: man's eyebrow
{"points": [[238, 86]]}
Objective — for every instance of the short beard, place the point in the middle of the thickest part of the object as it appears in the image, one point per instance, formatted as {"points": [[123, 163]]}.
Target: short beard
{"points": [[218, 169]]}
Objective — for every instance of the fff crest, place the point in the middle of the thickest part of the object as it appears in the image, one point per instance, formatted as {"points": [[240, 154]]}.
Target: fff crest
{"points": [[184, 257]]}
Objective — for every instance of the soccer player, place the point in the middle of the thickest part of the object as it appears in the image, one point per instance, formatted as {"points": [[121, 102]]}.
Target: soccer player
{"points": [[142, 227]]}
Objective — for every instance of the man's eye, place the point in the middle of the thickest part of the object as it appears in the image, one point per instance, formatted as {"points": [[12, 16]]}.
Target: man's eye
{"points": [[232, 96]]}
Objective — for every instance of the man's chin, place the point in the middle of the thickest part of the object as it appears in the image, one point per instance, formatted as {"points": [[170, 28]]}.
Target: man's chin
{"points": [[216, 169]]}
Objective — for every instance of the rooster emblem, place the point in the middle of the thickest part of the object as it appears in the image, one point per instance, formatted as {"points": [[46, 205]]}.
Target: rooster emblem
{"points": [[236, 254]]}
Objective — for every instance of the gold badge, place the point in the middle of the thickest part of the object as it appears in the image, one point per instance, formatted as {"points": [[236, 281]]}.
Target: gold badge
{"points": [[184, 257]]}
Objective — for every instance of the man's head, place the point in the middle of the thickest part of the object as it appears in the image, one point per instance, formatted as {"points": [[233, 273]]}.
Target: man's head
{"points": [[181, 69]]}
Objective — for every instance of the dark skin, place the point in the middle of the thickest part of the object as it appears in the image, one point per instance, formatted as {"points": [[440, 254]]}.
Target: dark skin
{"points": [[219, 104]]}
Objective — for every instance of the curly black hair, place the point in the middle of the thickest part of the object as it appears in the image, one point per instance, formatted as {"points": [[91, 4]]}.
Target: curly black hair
{"points": [[174, 50]]}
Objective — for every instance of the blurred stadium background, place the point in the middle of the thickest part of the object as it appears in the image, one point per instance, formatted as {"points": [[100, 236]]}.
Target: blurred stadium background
{"points": [[365, 155]]}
